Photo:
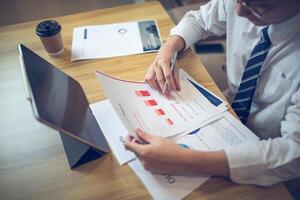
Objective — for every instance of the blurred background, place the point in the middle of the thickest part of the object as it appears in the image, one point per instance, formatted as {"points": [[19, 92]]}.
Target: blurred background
{"points": [[211, 51]]}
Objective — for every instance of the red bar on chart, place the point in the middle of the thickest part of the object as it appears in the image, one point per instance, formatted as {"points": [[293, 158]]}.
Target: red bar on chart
{"points": [[151, 102], [160, 112], [142, 93], [169, 122]]}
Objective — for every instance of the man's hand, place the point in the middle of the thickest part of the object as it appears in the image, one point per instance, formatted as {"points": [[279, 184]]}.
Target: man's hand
{"points": [[159, 72], [159, 155]]}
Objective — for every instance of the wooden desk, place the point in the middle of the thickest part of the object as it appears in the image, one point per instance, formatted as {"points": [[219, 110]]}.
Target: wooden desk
{"points": [[32, 160]]}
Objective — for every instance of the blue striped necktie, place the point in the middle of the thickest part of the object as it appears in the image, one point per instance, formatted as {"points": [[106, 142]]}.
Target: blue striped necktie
{"points": [[243, 99]]}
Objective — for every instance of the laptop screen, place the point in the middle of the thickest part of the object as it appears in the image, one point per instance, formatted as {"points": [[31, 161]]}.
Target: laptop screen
{"points": [[59, 101]]}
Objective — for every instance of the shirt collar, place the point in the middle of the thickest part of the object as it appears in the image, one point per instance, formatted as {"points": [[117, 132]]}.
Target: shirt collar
{"points": [[284, 30]]}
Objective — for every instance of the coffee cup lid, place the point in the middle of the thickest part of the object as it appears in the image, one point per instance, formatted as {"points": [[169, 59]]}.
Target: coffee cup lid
{"points": [[48, 28]]}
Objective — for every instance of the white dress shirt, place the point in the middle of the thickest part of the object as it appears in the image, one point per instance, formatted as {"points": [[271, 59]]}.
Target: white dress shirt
{"points": [[275, 111]]}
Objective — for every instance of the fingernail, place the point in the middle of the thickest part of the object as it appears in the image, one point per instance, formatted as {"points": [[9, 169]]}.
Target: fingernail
{"points": [[129, 137], [170, 97], [137, 130]]}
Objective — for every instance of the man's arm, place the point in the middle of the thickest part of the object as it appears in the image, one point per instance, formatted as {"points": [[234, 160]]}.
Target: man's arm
{"points": [[271, 161], [209, 20], [263, 163], [160, 155]]}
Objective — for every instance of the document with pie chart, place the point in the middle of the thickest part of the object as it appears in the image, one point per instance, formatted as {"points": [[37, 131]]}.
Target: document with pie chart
{"points": [[111, 40]]}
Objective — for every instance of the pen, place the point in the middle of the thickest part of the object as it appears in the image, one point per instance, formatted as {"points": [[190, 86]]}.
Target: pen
{"points": [[85, 34], [173, 61]]}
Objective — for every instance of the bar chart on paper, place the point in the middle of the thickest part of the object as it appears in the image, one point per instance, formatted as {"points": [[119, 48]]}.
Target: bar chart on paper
{"points": [[140, 106], [154, 107]]}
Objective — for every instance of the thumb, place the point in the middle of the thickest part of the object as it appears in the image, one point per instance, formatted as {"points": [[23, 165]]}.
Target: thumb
{"points": [[145, 137], [133, 146]]}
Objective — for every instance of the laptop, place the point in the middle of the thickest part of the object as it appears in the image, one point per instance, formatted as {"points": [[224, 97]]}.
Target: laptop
{"points": [[59, 101]]}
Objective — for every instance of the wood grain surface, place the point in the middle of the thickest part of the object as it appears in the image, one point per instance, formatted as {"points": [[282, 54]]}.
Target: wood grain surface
{"points": [[33, 164]]}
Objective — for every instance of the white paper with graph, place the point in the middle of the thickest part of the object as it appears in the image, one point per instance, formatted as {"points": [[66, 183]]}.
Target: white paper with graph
{"points": [[111, 40], [140, 106], [224, 132]]}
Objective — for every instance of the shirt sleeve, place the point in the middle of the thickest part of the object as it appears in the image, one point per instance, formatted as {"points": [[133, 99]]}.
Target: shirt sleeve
{"points": [[209, 20], [268, 162]]}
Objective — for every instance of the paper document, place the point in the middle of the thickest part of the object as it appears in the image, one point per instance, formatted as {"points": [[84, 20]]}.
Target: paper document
{"points": [[104, 41], [165, 187], [226, 131], [140, 106], [113, 130]]}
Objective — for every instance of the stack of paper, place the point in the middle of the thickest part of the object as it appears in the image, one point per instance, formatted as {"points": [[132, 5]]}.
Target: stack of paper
{"points": [[200, 121]]}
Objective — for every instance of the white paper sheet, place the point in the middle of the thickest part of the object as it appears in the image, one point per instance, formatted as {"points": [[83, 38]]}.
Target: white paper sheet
{"points": [[113, 130], [221, 133], [110, 40], [165, 187], [214, 99], [224, 132], [140, 106], [227, 131]]}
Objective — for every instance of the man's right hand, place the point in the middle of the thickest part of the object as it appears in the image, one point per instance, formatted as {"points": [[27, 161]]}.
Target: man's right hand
{"points": [[159, 72]]}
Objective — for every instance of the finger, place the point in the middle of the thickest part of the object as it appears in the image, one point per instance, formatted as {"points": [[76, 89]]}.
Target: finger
{"points": [[169, 78], [176, 78], [168, 94], [153, 83], [150, 78], [129, 137], [133, 146], [134, 139], [160, 77], [145, 137]]}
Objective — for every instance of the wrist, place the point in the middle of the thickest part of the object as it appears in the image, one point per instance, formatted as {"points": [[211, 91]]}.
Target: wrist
{"points": [[210, 163], [175, 43]]}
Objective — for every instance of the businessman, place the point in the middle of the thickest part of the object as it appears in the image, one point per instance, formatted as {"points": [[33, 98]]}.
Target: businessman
{"points": [[263, 72]]}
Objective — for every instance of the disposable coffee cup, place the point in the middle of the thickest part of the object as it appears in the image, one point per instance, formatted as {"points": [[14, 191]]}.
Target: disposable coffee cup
{"points": [[49, 32]]}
